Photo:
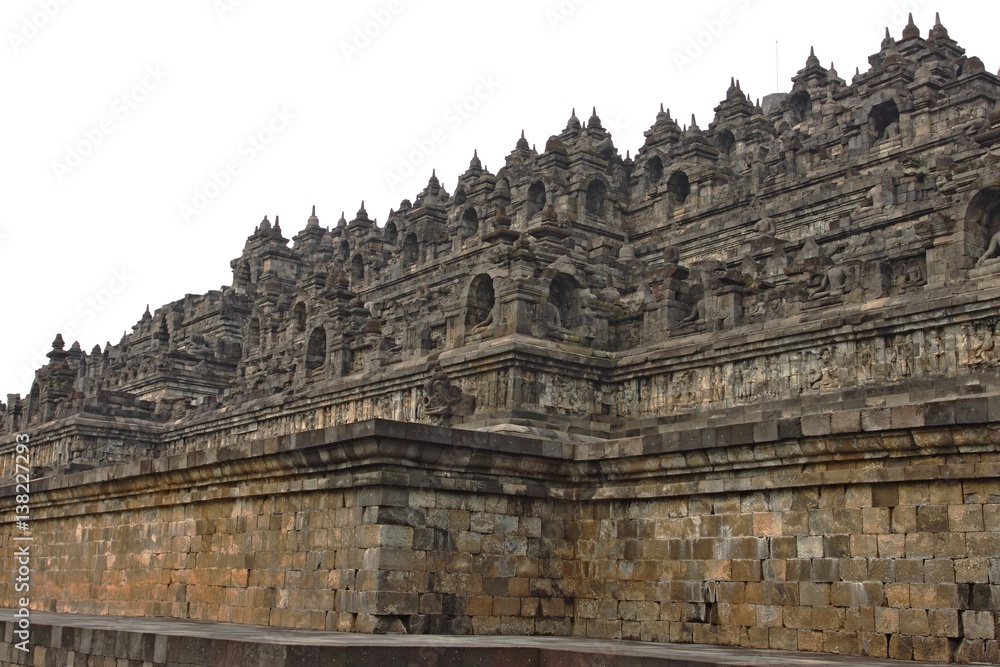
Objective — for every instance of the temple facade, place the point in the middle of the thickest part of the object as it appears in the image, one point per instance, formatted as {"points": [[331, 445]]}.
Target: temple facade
{"points": [[742, 388]]}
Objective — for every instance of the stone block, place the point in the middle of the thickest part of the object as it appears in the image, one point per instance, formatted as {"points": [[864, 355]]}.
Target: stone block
{"points": [[843, 643], [874, 644], [876, 419], [913, 622], [813, 425], [814, 594], [971, 410], [944, 622], [810, 546], [906, 416], [746, 570], [932, 518], [845, 421], [920, 545], [932, 649], [972, 570], [939, 570], [938, 596], [939, 413], [897, 595], [901, 647], [965, 518], [829, 618], [885, 495], [766, 431], [886, 620], [979, 624], [863, 546]]}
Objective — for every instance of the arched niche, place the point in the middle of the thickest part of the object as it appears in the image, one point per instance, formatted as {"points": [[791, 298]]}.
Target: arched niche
{"points": [[299, 317], [253, 340], [469, 226], [357, 268], [883, 121], [344, 250], [536, 199], [411, 250], [390, 233], [679, 187], [564, 297], [501, 189], [654, 171], [799, 106], [316, 349], [480, 302], [982, 225], [596, 198], [724, 142], [34, 400]]}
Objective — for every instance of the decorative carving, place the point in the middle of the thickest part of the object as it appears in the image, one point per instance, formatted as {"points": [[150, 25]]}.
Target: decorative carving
{"points": [[834, 283], [992, 254], [442, 400]]}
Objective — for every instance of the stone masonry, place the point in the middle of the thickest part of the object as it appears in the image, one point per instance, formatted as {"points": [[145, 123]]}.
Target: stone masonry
{"points": [[741, 389]]}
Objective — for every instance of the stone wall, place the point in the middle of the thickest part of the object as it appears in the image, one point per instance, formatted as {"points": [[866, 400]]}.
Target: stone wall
{"points": [[741, 388], [796, 535]]}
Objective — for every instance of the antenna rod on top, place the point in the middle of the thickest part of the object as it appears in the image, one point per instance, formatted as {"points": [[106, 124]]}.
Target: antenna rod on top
{"points": [[776, 66]]}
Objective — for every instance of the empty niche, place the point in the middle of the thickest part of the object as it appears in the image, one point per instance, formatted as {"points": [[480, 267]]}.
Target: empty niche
{"points": [[316, 349], [34, 400], [253, 336], [357, 268], [390, 233], [596, 196], [481, 300], [411, 250], [299, 317]]}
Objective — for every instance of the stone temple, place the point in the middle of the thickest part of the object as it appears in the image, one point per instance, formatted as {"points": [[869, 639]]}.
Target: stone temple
{"points": [[742, 388]]}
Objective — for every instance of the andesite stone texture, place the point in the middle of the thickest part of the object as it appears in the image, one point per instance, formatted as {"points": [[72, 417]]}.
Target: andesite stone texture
{"points": [[743, 388]]}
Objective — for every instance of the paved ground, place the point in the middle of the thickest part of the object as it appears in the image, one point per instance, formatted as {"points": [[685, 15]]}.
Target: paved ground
{"points": [[672, 654]]}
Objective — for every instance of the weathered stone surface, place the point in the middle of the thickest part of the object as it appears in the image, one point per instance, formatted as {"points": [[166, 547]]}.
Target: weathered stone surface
{"points": [[742, 388]]}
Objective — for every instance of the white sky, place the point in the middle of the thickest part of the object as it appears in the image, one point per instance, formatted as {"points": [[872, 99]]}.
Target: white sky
{"points": [[86, 242]]}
